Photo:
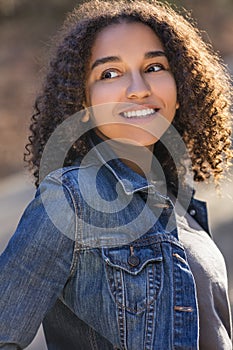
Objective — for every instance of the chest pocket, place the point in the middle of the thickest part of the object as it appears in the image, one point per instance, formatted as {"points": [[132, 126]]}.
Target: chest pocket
{"points": [[134, 275]]}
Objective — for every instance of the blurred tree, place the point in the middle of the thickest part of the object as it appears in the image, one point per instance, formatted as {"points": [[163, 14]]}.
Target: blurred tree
{"points": [[8, 7]]}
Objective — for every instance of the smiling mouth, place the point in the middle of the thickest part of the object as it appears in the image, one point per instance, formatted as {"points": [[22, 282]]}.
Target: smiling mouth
{"points": [[142, 113]]}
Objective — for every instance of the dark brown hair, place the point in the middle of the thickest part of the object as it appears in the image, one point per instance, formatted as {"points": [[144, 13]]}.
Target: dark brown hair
{"points": [[203, 85]]}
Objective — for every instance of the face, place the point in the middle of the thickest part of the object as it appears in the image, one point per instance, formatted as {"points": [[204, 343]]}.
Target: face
{"points": [[129, 84]]}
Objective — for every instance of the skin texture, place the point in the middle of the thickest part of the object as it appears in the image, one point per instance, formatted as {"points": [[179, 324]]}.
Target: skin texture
{"points": [[122, 74], [204, 91]]}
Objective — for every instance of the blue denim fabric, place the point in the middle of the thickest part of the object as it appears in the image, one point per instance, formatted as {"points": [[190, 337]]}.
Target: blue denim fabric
{"points": [[86, 267]]}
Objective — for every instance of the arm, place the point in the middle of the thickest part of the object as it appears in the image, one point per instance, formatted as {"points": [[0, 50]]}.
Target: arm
{"points": [[36, 264]]}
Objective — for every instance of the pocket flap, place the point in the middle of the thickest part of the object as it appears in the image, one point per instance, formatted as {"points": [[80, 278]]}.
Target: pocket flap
{"points": [[121, 257]]}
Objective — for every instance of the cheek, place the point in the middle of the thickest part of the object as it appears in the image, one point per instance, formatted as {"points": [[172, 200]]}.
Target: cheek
{"points": [[102, 94], [171, 91], [165, 88]]}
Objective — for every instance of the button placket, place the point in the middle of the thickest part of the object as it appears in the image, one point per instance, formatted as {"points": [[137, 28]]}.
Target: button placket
{"points": [[163, 208], [161, 202]]}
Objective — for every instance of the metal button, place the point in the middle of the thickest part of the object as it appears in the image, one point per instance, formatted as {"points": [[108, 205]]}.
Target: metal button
{"points": [[192, 212], [133, 260]]}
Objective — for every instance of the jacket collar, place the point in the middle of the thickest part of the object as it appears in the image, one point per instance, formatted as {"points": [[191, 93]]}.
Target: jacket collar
{"points": [[133, 182], [130, 181]]}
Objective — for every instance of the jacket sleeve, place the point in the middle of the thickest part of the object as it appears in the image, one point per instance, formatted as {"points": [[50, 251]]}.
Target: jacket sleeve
{"points": [[36, 264]]}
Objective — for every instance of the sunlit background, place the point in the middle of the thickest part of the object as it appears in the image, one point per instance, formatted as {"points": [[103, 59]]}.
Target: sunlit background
{"points": [[26, 28]]}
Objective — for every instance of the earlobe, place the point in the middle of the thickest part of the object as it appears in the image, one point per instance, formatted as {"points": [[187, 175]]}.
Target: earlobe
{"points": [[177, 105], [86, 116]]}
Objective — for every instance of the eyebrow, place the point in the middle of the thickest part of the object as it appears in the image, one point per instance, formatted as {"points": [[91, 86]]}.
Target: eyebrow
{"points": [[105, 60], [153, 54], [150, 54]]}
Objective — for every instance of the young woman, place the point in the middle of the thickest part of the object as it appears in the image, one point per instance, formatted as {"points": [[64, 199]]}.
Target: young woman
{"points": [[114, 252]]}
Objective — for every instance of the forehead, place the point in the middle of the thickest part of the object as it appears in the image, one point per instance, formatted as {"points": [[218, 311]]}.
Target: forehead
{"points": [[133, 35]]}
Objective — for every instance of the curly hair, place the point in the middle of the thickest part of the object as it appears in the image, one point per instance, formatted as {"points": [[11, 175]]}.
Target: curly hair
{"points": [[203, 85]]}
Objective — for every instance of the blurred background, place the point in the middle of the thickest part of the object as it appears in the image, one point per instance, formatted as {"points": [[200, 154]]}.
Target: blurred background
{"points": [[26, 28]]}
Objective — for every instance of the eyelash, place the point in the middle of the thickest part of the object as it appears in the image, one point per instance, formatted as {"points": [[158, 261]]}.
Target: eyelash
{"points": [[161, 66], [103, 77]]}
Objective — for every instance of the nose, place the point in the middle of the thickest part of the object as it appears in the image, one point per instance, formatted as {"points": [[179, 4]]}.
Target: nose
{"points": [[138, 87]]}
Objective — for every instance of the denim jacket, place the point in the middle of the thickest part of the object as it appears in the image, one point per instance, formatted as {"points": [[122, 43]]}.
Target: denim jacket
{"points": [[100, 264]]}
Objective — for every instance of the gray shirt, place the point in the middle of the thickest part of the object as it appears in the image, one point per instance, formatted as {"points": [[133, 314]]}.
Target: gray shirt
{"points": [[208, 267]]}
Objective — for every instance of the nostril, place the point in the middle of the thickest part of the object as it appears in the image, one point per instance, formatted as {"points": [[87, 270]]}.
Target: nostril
{"points": [[138, 88]]}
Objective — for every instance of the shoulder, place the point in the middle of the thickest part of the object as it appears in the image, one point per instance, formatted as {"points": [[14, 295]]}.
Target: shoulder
{"points": [[66, 176]]}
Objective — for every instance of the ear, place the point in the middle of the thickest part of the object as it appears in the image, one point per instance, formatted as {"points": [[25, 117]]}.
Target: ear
{"points": [[86, 117], [177, 105]]}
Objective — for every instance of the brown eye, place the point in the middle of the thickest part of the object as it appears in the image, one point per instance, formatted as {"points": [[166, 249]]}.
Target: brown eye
{"points": [[155, 68], [109, 74]]}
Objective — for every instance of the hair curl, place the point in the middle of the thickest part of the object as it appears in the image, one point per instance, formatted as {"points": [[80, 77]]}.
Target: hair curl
{"points": [[203, 84]]}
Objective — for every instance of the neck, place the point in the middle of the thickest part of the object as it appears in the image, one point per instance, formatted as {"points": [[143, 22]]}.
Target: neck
{"points": [[136, 157]]}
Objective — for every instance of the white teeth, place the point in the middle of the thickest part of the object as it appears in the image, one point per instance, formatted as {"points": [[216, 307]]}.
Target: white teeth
{"points": [[140, 113]]}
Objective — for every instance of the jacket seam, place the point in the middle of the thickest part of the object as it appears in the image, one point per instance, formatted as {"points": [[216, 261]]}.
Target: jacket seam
{"points": [[74, 255]]}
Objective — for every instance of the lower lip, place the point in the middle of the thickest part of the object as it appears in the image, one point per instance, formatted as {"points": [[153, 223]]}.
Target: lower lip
{"points": [[139, 120]]}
